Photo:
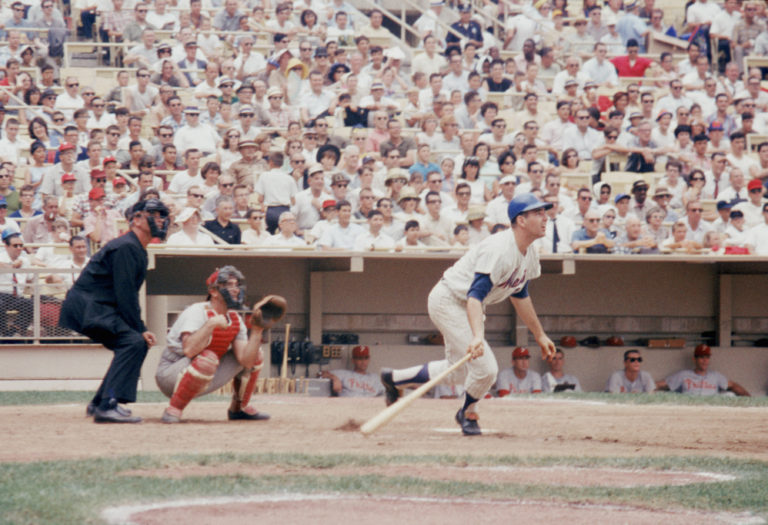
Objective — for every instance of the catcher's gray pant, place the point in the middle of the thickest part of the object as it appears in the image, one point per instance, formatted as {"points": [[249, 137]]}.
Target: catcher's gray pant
{"points": [[449, 313], [168, 373]]}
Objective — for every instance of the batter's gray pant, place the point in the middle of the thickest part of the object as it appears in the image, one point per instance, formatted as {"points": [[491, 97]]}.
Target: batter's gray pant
{"points": [[449, 313]]}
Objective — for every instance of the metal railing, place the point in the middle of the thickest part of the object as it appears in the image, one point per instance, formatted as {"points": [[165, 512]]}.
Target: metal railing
{"points": [[45, 298]]}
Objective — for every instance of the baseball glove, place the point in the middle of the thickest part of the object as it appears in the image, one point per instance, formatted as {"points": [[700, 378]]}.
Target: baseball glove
{"points": [[268, 312]]}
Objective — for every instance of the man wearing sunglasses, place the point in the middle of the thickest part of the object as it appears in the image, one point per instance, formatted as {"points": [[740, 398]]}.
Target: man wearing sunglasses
{"points": [[631, 380], [12, 284]]}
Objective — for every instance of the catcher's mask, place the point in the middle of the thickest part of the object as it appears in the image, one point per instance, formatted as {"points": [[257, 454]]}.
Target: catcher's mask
{"points": [[219, 279], [153, 208]]}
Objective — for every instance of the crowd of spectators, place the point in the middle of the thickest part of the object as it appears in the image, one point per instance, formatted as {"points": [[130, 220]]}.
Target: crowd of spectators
{"points": [[309, 124]]}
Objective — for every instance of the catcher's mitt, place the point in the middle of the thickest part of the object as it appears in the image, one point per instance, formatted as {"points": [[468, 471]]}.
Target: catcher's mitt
{"points": [[268, 312]]}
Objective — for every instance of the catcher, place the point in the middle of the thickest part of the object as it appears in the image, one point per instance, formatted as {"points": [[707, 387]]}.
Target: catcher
{"points": [[208, 345]]}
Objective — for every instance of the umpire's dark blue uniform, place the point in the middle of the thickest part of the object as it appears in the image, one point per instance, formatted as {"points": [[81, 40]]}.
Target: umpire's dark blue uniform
{"points": [[104, 305]]}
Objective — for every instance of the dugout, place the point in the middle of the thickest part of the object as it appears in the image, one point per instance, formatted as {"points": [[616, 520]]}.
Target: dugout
{"points": [[381, 298]]}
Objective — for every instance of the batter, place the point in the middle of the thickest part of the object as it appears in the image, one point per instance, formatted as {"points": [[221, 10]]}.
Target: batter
{"points": [[492, 271]]}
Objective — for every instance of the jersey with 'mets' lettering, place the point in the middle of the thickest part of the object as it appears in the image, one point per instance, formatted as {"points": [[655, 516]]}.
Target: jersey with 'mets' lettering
{"points": [[498, 257]]}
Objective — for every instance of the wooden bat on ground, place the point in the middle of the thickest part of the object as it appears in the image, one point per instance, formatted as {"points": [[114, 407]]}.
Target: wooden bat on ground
{"points": [[284, 368], [391, 411]]}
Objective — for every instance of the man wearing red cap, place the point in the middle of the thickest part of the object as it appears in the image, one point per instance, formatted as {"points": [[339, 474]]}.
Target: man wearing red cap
{"points": [[753, 208], [700, 381], [518, 379], [100, 225], [356, 382], [51, 184]]}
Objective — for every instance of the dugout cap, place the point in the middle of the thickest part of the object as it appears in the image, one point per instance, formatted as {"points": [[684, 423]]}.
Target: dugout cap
{"points": [[520, 352], [615, 340], [716, 126], [524, 203], [107, 160], [568, 341], [724, 205], [702, 350], [97, 172], [508, 178], [68, 177], [754, 184], [330, 203], [9, 232], [361, 351], [66, 146]]}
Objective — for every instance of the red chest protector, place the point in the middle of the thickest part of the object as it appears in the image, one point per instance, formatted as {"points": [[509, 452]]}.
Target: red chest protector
{"points": [[222, 338]]}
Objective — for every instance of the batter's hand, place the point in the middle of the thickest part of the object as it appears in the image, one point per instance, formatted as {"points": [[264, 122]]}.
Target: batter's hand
{"points": [[547, 347], [476, 347], [150, 338]]}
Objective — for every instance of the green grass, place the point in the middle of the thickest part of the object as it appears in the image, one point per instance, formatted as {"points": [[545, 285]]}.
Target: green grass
{"points": [[83, 397], [75, 492], [660, 398]]}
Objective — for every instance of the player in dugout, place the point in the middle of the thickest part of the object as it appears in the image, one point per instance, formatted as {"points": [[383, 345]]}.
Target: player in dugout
{"points": [[701, 381], [209, 345]]}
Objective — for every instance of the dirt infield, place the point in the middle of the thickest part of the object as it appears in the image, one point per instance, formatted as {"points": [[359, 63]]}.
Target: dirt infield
{"points": [[524, 427], [431, 511]]}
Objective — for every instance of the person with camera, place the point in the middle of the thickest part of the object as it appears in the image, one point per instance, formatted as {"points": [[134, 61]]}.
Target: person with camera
{"points": [[209, 345], [356, 382]]}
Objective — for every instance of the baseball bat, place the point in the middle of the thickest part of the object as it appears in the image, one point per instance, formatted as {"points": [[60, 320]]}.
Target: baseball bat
{"points": [[391, 411], [284, 369]]}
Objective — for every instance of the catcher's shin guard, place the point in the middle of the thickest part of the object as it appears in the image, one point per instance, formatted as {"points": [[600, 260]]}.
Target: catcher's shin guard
{"points": [[245, 384], [194, 379]]}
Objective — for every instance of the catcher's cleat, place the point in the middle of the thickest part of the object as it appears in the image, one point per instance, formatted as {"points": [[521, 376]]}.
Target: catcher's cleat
{"points": [[392, 392], [468, 423], [170, 418], [245, 416]]}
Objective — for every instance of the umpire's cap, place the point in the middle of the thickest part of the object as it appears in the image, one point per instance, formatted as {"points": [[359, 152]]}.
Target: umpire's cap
{"points": [[150, 205], [525, 202]]}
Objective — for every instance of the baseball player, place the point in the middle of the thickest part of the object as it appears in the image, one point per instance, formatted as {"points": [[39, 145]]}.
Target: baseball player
{"points": [[631, 380], [103, 304], [357, 382], [700, 381], [208, 346], [497, 268], [518, 379], [556, 380]]}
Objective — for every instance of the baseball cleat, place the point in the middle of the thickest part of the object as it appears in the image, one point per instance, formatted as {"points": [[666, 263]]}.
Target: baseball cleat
{"points": [[245, 416], [392, 392], [468, 423], [170, 418], [91, 409], [113, 415]]}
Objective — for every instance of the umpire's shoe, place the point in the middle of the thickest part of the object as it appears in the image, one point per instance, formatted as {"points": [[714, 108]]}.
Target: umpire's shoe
{"points": [[90, 410], [113, 414], [392, 392], [468, 423]]}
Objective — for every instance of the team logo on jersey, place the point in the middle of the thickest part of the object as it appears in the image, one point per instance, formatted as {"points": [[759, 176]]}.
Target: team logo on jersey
{"points": [[513, 281]]}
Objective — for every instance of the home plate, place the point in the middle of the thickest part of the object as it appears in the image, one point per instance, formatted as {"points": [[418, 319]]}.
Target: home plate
{"points": [[458, 430]]}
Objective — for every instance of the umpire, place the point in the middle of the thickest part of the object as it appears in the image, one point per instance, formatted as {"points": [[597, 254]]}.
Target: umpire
{"points": [[103, 304]]}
